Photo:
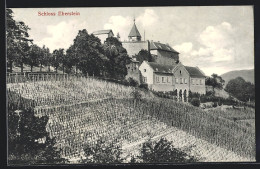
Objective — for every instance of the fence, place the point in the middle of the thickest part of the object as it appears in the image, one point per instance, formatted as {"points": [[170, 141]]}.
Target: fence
{"points": [[28, 76]]}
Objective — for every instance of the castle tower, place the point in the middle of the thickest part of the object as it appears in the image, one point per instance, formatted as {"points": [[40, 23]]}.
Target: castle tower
{"points": [[134, 34]]}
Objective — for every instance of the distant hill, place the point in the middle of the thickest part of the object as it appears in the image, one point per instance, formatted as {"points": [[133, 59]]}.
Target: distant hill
{"points": [[248, 75]]}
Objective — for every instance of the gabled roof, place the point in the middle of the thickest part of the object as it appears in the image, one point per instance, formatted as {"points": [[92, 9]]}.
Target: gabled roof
{"points": [[161, 46], [102, 32], [194, 71], [160, 68], [134, 32]]}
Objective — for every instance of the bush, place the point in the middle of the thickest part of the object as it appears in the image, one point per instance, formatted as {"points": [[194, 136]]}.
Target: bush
{"points": [[210, 93], [144, 86], [195, 102], [132, 82], [215, 104], [162, 151]]}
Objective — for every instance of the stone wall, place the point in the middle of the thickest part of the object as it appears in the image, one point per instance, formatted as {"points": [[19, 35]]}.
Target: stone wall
{"points": [[164, 57], [133, 71], [133, 48]]}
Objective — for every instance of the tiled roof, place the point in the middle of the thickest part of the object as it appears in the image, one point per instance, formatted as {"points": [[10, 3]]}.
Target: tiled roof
{"points": [[161, 68], [194, 71], [102, 32], [134, 32], [161, 46]]}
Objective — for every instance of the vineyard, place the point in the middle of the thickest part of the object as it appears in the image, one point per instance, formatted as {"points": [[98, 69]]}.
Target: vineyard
{"points": [[82, 110]]}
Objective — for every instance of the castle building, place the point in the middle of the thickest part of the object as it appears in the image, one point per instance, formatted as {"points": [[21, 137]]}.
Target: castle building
{"points": [[103, 34], [165, 73], [163, 53]]}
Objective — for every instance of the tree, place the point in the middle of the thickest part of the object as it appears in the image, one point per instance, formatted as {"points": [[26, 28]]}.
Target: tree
{"points": [[57, 58], [35, 54], [102, 153], [17, 40], [44, 58], [88, 53], [215, 81], [163, 152], [70, 60], [241, 89], [143, 55], [28, 140], [118, 58]]}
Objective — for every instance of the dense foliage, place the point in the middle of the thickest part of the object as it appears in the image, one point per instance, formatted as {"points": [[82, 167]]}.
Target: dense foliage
{"points": [[28, 141], [118, 58], [17, 39], [143, 55], [102, 153], [241, 89], [215, 81], [195, 102], [163, 152]]}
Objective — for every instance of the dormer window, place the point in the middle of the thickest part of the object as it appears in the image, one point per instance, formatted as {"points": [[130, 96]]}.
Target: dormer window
{"points": [[144, 70], [180, 71]]}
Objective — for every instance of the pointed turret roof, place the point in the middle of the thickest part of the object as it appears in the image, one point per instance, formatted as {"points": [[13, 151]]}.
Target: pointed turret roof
{"points": [[134, 31]]}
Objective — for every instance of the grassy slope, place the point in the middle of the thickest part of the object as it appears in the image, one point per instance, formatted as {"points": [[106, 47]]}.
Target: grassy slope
{"points": [[210, 127]]}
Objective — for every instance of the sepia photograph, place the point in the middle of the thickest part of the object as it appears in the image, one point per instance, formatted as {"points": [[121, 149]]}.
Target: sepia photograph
{"points": [[130, 85]]}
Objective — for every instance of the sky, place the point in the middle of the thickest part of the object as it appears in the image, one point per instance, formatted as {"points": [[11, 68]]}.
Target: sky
{"points": [[217, 39]]}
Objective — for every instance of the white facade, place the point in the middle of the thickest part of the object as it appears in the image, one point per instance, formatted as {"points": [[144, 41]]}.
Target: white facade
{"points": [[179, 79], [147, 73]]}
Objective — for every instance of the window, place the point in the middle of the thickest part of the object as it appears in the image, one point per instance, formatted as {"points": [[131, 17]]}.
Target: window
{"points": [[168, 80], [128, 67], [197, 82], [132, 69], [163, 79], [192, 81], [135, 68], [180, 71], [176, 80], [200, 82], [144, 70], [157, 79], [145, 79], [185, 81], [181, 81]]}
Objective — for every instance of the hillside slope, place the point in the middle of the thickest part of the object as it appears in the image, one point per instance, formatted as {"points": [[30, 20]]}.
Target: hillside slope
{"points": [[248, 75]]}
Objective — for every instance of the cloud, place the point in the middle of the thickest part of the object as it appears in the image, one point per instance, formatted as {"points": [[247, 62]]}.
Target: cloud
{"points": [[217, 37], [62, 34], [123, 25], [185, 47], [119, 24], [148, 18], [216, 52]]}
